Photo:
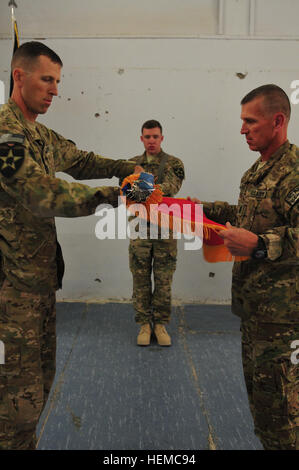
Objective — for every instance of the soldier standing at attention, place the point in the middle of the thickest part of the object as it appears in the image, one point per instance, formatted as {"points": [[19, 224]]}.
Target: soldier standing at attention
{"points": [[265, 290], [155, 255], [31, 259]]}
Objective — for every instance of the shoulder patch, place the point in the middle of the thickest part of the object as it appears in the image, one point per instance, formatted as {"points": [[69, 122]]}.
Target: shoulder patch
{"points": [[179, 171], [12, 138], [11, 158], [293, 196]]}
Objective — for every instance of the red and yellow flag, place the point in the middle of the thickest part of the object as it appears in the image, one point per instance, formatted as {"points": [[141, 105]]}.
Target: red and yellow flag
{"points": [[183, 216]]}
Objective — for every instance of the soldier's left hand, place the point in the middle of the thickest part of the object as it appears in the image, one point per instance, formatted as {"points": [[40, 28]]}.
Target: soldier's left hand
{"points": [[240, 242]]}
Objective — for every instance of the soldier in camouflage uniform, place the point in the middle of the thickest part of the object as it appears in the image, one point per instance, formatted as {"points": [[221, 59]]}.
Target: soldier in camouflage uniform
{"points": [[155, 255], [31, 259], [265, 289]]}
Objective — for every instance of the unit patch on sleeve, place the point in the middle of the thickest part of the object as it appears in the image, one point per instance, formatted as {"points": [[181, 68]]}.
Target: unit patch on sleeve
{"points": [[12, 156], [179, 171], [293, 196]]}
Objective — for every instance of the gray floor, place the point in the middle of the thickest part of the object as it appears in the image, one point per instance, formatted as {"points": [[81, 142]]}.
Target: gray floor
{"points": [[111, 394]]}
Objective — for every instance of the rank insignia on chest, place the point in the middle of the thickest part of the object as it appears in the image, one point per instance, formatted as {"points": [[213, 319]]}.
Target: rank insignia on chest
{"points": [[258, 193], [11, 158]]}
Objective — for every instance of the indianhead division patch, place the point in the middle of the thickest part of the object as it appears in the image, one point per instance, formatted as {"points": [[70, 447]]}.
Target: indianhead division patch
{"points": [[12, 156]]}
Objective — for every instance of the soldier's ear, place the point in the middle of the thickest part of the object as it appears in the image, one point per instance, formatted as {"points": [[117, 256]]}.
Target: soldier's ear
{"points": [[279, 120], [18, 75]]}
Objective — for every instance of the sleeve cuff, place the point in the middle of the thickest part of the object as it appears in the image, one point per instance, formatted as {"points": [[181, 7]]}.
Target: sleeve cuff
{"points": [[109, 195], [273, 245]]}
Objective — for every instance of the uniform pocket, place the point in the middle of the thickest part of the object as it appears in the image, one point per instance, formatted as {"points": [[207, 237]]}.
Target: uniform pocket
{"points": [[286, 377], [9, 378], [11, 365], [34, 246], [9, 230], [246, 213], [48, 160]]}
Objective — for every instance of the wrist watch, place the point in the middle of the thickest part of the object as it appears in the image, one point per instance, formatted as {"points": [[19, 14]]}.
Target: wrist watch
{"points": [[260, 252]]}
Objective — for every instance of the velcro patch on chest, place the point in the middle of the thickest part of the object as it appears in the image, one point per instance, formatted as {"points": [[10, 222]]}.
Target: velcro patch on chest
{"points": [[293, 196], [11, 158], [12, 139], [258, 193]]}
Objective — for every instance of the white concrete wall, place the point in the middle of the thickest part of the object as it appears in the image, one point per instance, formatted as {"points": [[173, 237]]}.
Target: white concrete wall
{"points": [[111, 86]]}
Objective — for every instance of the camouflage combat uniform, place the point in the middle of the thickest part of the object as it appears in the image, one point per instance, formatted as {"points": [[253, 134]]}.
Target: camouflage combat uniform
{"points": [[31, 258], [155, 255], [265, 293]]}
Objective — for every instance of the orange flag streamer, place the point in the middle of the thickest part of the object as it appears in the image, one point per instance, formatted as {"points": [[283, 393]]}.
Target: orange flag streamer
{"points": [[183, 216]]}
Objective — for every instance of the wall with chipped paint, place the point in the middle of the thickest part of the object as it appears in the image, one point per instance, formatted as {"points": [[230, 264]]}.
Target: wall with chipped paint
{"points": [[193, 86]]}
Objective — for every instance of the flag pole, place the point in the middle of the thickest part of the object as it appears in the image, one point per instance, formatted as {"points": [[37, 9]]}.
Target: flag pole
{"points": [[15, 35]]}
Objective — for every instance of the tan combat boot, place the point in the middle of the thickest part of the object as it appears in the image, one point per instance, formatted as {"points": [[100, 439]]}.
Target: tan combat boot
{"points": [[162, 336], [144, 336]]}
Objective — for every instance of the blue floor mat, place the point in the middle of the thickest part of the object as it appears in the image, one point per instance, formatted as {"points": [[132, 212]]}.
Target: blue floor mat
{"points": [[110, 394]]}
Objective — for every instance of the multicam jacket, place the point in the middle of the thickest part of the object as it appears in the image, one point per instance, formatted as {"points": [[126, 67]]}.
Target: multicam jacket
{"points": [[267, 289], [173, 173], [31, 196]]}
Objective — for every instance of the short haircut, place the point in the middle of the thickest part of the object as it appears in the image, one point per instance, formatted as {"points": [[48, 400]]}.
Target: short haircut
{"points": [[151, 125], [28, 53], [275, 99]]}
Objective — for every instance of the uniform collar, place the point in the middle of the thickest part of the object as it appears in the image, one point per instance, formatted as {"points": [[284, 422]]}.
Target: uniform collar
{"points": [[154, 157], [28, 125], [256, 173], [280, 151]]}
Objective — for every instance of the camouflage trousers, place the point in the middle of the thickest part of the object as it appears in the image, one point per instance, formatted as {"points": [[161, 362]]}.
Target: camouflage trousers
{"points": [[157, 257], [28, 331], [272, 381]]}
